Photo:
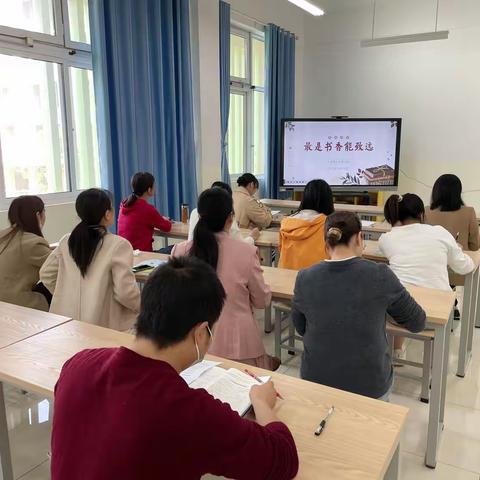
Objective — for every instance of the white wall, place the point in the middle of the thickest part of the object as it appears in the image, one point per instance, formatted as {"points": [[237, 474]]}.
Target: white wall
{"points": [[279, 12], [60, 220], [434, 86]]}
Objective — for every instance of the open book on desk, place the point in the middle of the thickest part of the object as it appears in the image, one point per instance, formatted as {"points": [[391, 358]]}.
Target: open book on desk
{"points": [[229, 386]]}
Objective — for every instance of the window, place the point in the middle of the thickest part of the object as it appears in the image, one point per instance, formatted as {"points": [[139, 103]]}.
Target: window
{"points": [[246, 126], [48, 133]]}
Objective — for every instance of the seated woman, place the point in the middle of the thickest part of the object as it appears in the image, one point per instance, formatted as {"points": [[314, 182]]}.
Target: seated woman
{"points": [[302, 241], [237, 335], [448, 210], [158, 427], [137, 218], [419, 254], [340, 306], [249, 212], [90, 272], [234, 230], [22, 252]]}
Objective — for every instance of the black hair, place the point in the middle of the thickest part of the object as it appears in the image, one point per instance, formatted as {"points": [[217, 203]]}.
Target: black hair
{"points": [[177, 296], [23, 216], [399, 208], [340, 227], [140, 183], [447, 194], [246, 179], [223, 185], [214, 206], [317, 196], [91, 207]]}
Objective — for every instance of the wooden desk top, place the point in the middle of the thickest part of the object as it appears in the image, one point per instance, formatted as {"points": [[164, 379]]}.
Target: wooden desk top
{"points": [[179, 230], [436, 303], [339, 207], [359, 442], [18, 323]]}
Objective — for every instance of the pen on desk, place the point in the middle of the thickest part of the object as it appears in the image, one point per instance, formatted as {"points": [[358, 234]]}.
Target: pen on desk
{"points": [[456, 236], [259, 380], [323, 423]]}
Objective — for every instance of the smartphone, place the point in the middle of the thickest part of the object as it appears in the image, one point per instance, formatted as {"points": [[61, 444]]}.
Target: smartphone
{"points": [[141, 268]]}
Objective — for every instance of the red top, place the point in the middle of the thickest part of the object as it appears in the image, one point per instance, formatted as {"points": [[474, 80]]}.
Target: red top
{"points": [[136, 224], [121, 416]]}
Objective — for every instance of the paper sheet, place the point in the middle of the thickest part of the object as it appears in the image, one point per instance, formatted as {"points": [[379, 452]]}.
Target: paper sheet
{"points": [[368, 223], [195, 371], [230, 386], [275, 212]]}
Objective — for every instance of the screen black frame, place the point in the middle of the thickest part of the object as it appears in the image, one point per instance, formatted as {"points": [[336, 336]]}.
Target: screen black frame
{"points": [[344, 188]]}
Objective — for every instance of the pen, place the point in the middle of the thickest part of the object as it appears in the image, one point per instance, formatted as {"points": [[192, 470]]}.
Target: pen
{"points": [[323, 423], [457, 235], [259, 380]]}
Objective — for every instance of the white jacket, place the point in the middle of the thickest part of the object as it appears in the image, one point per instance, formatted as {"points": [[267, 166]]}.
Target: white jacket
{"points": [[419, 254], [108, 295]]}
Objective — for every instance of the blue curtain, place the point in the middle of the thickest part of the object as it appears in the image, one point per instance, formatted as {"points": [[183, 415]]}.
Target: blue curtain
{"points": [[224, 42], [279, 98], [143, 89]]}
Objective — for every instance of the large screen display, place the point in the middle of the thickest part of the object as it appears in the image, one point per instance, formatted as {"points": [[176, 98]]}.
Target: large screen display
{"points": [[348, 153]]}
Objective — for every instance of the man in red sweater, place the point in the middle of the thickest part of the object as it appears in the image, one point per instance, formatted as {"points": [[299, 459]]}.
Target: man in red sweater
{"points": [[126, 414]]}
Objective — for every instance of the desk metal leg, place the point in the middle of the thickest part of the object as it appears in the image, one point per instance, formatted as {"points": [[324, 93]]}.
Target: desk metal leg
{"points": [[5, 454], [393, 471], [467, 317], [446, 357], [434, 424], [266, 254], [165, 241], [268, 319], [474, 309]]}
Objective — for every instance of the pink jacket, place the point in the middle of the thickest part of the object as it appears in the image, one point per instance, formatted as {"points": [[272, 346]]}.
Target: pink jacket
{"points": [[236, 334]]}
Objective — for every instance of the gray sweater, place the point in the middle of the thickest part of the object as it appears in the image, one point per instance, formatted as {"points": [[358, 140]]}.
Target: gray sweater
{"points": [[340, 309]]}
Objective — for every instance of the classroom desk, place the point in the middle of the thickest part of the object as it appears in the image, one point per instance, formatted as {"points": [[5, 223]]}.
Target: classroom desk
{"points": [[292, 205], [17, 324], [267, 242], [438, 306], [471, 302], [361, 441]]}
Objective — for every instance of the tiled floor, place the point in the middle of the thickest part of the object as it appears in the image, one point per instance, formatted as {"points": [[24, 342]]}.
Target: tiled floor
{"points": [[459, 455]]}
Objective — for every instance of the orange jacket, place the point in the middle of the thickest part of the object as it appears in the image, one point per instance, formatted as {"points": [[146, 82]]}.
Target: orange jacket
{"points": [[302, 242]]}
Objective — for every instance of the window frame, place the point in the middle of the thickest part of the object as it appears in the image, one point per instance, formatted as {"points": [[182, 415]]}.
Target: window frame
{"points": [[245, 86], [48, 48]]}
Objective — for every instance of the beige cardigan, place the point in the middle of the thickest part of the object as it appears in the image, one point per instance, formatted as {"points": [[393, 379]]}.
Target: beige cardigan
{"points": [[249, 212], [108, 294], [20, 263], [463, 222]]}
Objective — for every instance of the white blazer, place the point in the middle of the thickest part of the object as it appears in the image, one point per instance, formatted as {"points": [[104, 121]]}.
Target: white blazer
{"points": [[108, 295]]}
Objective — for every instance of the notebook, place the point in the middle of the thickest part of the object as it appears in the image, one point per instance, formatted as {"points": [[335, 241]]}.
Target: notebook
{"points": [[229, 386]]}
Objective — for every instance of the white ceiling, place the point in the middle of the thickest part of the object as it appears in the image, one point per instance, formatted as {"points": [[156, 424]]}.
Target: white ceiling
{"points": [[332, 6]]}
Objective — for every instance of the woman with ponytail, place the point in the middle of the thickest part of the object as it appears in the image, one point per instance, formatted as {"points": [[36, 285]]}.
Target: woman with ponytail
{"points": [[339, 308], [236, 335], [90, 272], [419, 254], [138, 218], [22, 252]]}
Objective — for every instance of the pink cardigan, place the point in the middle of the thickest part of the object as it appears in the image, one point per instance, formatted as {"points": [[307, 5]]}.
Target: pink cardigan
{"points": [[236, 335]]}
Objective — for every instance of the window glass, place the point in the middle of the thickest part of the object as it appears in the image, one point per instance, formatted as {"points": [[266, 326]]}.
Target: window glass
{"points": [[236, 134], [85, 129], [31, 127], [33, 15]]}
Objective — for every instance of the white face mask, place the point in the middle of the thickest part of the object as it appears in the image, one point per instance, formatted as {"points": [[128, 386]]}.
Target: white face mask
{"points": [[198, 350]]}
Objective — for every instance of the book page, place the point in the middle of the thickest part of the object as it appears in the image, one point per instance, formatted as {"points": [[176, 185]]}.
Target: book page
{"points": [[196, 371]]}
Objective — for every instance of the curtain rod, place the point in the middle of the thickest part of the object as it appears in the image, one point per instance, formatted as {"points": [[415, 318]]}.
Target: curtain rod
{"points": [[256, 20]]}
